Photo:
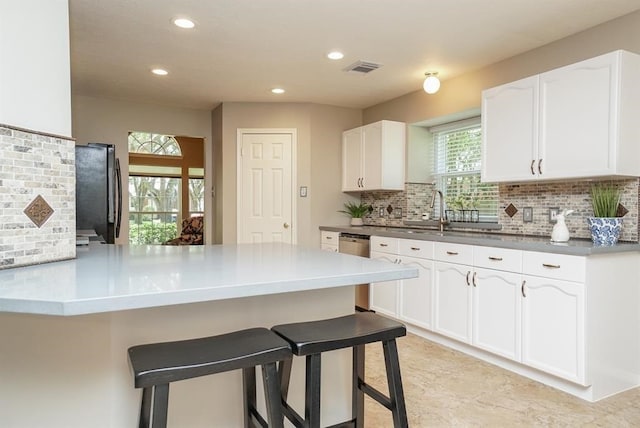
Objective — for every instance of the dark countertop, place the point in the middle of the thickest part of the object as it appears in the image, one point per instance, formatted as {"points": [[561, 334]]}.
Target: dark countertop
{"points": [[577, 247]]}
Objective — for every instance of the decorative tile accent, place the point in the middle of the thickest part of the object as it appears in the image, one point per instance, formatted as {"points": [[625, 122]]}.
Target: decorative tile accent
{"points": [[621, 211], [38, 211], [511, 210], [35, 165]]}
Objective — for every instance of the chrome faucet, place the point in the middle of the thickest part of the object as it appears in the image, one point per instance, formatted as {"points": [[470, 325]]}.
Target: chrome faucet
{"points": [[442, 220]]}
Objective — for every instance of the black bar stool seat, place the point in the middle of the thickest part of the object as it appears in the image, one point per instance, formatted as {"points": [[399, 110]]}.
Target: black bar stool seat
{"points": [[312, 338], [156, 365]]}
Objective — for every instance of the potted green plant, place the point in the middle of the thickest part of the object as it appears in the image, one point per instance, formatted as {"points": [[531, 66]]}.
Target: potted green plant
{"points": [[356, 212], [605, 225]]}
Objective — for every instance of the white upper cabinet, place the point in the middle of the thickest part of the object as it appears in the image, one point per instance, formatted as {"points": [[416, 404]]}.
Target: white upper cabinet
{"points": [[373, 157], [577, 121]]}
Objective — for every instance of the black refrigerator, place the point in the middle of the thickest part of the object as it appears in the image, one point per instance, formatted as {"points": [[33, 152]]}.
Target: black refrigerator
{"points": [[98, 191]]}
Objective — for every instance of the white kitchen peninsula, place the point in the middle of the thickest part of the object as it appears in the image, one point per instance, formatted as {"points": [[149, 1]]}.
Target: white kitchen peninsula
{"points": [[65, 326]]}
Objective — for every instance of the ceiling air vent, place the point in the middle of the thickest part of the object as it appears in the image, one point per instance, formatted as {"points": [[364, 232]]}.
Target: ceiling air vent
{"points": [[362, 67]]}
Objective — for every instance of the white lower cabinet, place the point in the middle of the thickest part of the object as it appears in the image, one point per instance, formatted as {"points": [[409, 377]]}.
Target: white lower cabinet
{"points": [[329, 241], [408, 300], [497, 312], [383, 296], [553, 327], [416, 302], [452, 288]]}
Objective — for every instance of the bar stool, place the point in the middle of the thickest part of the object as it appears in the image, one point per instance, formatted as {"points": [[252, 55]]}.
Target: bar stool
{"points": [[156, 365], [311, 339]]}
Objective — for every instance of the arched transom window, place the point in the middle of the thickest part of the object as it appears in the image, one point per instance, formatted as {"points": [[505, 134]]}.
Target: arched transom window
{"points": [[154, 144]]}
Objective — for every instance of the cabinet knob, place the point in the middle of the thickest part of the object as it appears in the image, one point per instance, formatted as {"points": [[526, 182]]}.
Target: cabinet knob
{"points": [[286, 225]]}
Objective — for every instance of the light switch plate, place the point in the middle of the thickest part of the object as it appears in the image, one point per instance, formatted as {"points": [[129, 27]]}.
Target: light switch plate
{"points": [[303, 191], [527, 214]]}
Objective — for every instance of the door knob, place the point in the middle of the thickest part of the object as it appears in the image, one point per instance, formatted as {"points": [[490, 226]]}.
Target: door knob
{"points": [[286, 225]]}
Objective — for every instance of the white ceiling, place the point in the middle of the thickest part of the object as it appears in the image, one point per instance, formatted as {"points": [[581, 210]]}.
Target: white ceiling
{"points": [[240, 49]]}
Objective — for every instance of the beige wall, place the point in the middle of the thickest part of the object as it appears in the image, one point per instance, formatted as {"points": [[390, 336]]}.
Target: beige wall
{"points": [[110, 121], [319, 130], [464, 92]]}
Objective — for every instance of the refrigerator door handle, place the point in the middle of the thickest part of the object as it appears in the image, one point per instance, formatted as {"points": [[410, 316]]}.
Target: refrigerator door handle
{"points": [[119, 192]]}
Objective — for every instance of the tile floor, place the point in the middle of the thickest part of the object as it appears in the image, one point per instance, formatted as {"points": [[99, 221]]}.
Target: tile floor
{"points": [[446, 388]]}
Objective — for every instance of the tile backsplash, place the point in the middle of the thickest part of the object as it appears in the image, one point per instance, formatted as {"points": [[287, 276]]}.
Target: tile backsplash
{"points": [[37, 198], [416, 197]]}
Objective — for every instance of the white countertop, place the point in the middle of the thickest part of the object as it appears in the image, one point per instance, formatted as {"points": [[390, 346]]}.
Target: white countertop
{"points": [[107, 278]]}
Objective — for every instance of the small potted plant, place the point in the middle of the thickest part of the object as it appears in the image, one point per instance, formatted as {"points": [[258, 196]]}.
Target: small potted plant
{"points": [[606, 225], [356, 212]]}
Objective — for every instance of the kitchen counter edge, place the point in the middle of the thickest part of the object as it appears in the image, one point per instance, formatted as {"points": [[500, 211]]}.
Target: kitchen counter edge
{"points": [[576, 247]]}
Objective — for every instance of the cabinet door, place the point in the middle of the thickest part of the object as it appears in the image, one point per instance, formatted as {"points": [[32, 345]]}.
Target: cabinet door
{"points": [[553, 327], [383, 296], [351, 160], [416, 294], [372, 156], [496, 312], [577, 119], [510, 131], [452, 301]]}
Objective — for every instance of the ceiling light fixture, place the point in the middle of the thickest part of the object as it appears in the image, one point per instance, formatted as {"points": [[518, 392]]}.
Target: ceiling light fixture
{"points": [[277, 91], [431, 83], [184, 23], [160, 71], [335, 55]]}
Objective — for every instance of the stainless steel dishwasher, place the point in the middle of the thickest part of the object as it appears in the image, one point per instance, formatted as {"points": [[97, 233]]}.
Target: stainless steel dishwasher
{"points": [[358, 245]]}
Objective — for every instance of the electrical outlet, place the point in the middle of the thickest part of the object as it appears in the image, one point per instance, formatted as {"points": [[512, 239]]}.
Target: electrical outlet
{"points": [[553, 212], [527, 214], [381, 212]]}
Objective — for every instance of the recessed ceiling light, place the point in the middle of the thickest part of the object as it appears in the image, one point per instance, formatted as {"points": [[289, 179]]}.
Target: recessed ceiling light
{"points": [[184, 23], [335, 55], [160, 71], [277, 91]]}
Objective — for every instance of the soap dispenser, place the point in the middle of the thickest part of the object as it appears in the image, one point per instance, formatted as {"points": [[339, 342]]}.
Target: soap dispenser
{"points": [[560, 233]]}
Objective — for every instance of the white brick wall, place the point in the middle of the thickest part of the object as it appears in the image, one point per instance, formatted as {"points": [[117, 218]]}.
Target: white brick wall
{"points": [[30, 165]]}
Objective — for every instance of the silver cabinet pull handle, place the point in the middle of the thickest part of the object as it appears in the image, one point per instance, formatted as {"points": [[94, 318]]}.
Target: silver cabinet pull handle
{"points": [[468, 273], [415, 248], [533, 162], [522, 288], [548, 265], [498, 259], [540, 166], [473, 279], [452, 253]]}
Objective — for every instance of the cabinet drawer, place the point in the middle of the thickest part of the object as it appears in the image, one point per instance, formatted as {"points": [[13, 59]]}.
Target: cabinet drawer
{"points": [[498, 258], [415, 248], [453, 253], [384, 245], [557, 266], [330, 238]]}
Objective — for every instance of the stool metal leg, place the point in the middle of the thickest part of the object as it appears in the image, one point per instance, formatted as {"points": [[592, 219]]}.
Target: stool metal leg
{"points": [[312, 391], [357, 395], [272, 395], [394, 381], [160, 405], [145, 408]]}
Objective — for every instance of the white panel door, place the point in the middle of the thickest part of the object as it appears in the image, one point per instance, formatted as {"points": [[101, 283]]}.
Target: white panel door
{"points": [[553, 327], [510, 131], [416, 302], [265, 211], [383, 296], [577, 119], [496, 312], [452, 301]]}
